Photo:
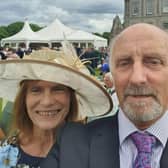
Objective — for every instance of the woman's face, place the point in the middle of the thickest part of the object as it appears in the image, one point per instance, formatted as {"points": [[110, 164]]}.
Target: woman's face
{"points": [[47, 103]]}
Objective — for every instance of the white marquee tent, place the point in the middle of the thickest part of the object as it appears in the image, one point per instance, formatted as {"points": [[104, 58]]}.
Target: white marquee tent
{"points": [[54, 33], [26, 36], [57, 32], [82, 36]]}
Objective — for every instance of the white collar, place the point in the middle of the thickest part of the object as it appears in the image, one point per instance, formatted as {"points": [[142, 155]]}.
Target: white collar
{"points": [[159, 129]]}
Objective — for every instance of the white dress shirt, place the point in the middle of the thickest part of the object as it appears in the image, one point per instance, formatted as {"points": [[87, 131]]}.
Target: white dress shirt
{"points": [[128, 151]]}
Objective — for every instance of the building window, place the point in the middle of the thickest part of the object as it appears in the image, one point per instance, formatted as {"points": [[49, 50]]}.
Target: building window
{"points": [[165, 6], [149, 7], [150, 23], [165, 25], [135, 7]]}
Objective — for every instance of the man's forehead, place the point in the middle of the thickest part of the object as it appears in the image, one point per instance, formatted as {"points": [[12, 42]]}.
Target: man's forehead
{"points": [[141, 37], [141, 32], [146, 43]]}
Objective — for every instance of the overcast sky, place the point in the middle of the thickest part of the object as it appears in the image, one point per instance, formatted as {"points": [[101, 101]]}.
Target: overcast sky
{"points": [[88, 15]]}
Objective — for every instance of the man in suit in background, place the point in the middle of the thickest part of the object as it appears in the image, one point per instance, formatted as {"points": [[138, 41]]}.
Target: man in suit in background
{"points": [[136, 137]]}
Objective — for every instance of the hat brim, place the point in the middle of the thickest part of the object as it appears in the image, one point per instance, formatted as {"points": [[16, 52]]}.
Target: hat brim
{"points": [[93, 100]]}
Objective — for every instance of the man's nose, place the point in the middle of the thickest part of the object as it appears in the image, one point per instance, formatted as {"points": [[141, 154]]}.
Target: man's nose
{"points": [[138, 74]]}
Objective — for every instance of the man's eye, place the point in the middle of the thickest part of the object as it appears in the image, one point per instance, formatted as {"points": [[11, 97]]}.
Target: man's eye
{"points": [[153, 62], [123, 63]]}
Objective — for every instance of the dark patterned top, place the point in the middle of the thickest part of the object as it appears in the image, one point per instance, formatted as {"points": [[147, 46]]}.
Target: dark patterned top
{"points": [[12, 156]]}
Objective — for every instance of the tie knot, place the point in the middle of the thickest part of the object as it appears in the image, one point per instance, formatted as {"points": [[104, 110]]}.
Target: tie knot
{"points": [[143, 141]]}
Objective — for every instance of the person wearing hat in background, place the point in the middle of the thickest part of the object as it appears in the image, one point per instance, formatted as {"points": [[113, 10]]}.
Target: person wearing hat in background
{"points": [[109, 85], [137, 136], [52, 88]]}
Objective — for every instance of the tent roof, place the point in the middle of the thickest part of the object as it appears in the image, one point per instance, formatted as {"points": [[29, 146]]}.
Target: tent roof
{"points": [[82, 35], [55, 31], [25, 34]]}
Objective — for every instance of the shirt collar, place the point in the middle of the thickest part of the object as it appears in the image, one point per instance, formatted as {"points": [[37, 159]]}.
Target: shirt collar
{"points": [[159, 129]]}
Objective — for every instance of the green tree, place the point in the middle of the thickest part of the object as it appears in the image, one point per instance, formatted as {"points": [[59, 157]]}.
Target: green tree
{"points": [[3, 32], [106, 35], [97, 34], [35, 27], [13, 28]]}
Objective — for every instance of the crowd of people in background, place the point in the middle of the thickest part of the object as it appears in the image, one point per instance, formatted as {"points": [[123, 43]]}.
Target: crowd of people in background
{"points": [[98, 58], [12, 53]]}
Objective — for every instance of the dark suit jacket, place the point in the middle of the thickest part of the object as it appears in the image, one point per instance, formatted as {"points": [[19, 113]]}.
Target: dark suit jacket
{"points": [[93, 146]]}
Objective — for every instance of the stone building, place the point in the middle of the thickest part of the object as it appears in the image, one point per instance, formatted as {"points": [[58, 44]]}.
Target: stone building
{"points": [[116, 28], [149, 11]]}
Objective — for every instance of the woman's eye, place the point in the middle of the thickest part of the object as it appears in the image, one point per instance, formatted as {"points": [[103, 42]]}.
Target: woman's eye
{"points": [[59, 88], [35, 90]]}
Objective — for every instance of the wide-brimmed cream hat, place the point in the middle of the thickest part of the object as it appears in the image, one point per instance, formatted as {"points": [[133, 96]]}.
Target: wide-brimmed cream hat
{"points": [[59, 67]]}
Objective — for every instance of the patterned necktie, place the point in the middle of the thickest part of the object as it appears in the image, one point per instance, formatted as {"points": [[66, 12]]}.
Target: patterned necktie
{"points": [[144, 143]]}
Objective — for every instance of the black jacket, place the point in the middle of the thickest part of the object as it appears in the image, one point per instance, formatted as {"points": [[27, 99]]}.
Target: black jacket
{"points": [[95, 145]]}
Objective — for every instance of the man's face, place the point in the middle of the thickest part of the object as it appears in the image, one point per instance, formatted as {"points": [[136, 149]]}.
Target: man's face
{"points": [[108, 81], [140, 73]]}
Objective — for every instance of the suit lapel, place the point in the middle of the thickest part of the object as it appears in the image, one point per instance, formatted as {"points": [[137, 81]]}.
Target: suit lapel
{"points": [[164, 158], [105, 145], [74, 148]]}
